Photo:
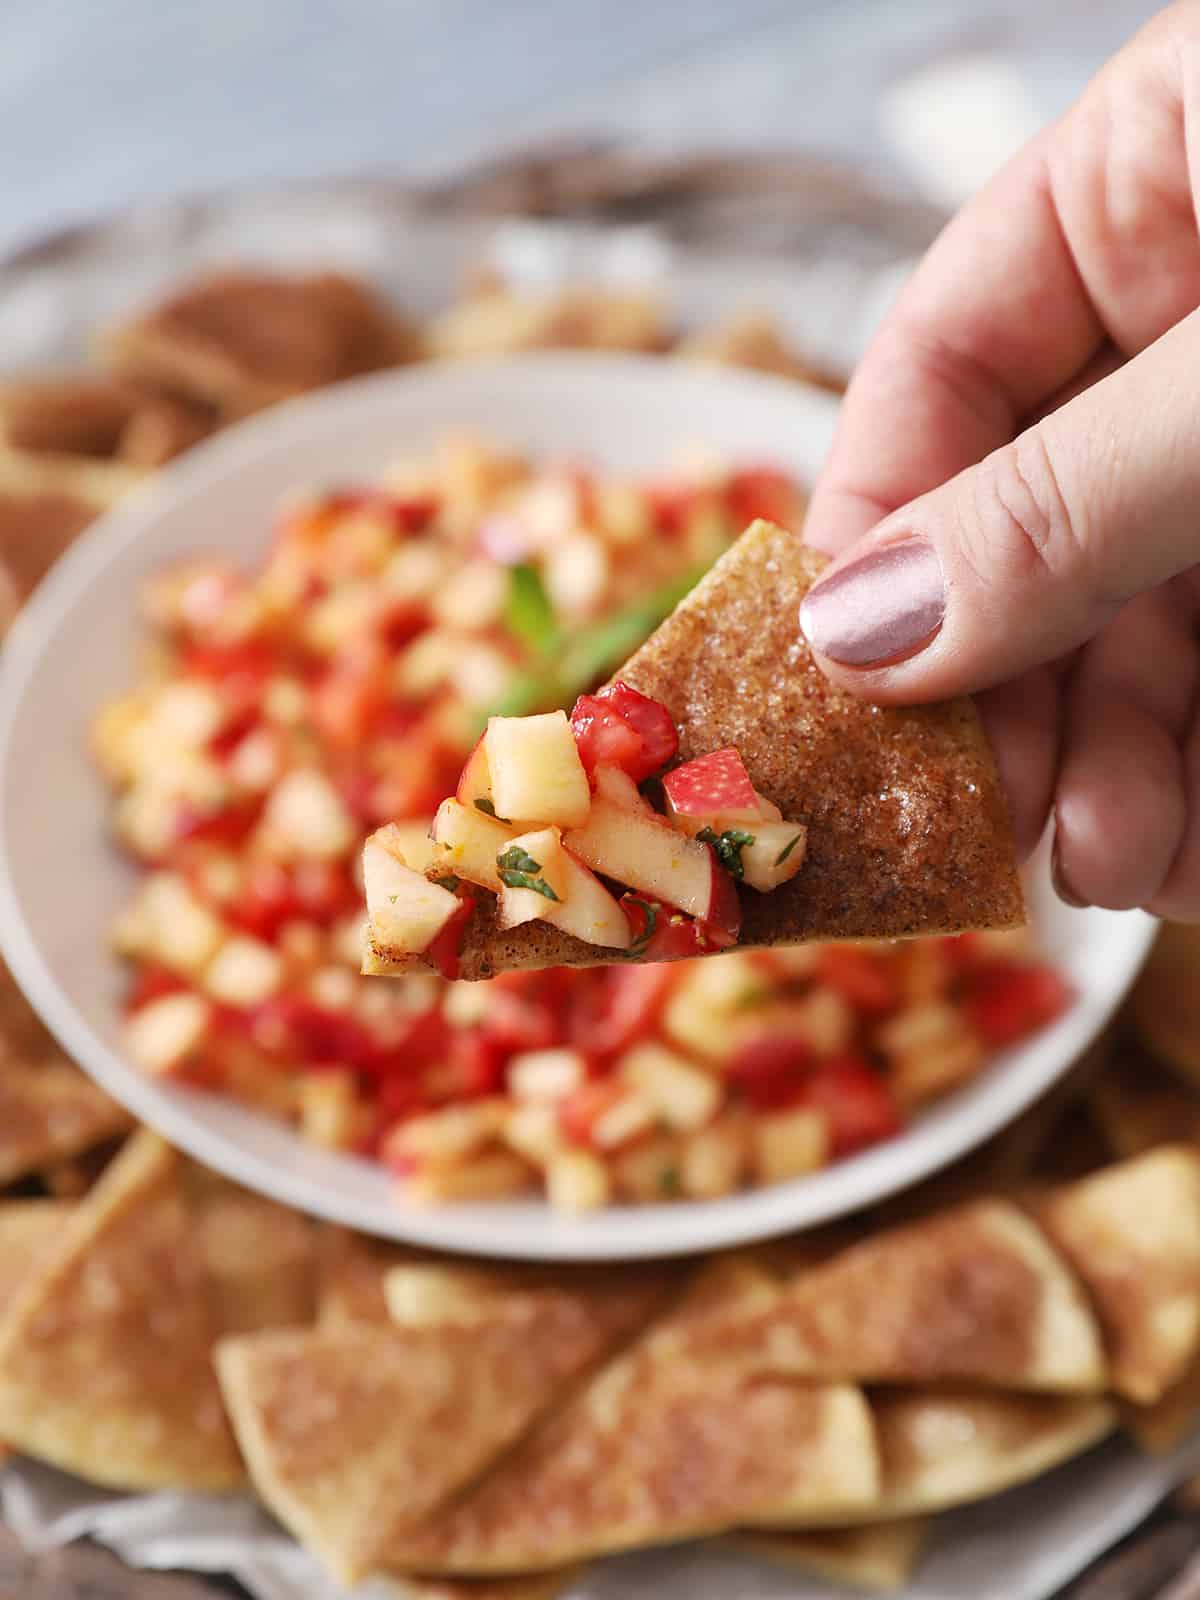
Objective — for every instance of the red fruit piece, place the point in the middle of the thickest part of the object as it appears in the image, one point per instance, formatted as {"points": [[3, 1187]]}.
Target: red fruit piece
{"points": [[771, 1070], [152, 983], [615, 1007], [711, 784], [447, 947], [582, 1109], [868, 983], [660, 933], [1008, 1001], [756, 492], [856, 1102], [625, 729]]}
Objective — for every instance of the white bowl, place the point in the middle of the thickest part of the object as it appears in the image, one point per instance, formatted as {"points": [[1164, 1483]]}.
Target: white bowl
{"points": [[61, 881]]}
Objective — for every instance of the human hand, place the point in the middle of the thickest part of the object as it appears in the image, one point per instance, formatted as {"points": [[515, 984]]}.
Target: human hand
{"points": [[1013, 496]]}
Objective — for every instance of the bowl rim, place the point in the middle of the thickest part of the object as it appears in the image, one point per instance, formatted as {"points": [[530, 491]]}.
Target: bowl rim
{"points": [[954, 1127]]}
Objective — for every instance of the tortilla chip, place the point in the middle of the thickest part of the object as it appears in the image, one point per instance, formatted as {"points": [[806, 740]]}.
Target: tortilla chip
{"points": [[259, 1258], [659, 1447], [1164, 1005], [880, 1556], [43, 474], [973, 1295], [49, 1112], [1138, 1107], [241, 340], [1160, 1426], [75, 414], [350, 1270], [105, 1365], [28, 1231], [1132, 1234], [908, 831], [538, 1586], [312, 1411]]}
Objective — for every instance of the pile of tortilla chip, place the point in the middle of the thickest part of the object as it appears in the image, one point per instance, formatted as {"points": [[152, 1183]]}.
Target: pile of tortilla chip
{"points": [[481, 1429]]}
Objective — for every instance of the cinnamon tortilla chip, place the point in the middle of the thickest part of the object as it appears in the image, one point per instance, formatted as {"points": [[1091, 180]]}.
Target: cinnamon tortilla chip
{"points": [[880, 1556], [944, 1448], [73, 414], [352, 1433], [259, 1258], [49, 1111], [538, 1586], [242, 340], [908, 831], [971, 1295], [1138, 1106], [105, 1365], [1164, 1423], [28, 1230], [350, 1273], [1164, 1005], [1132, 1234], [657, 1448]]}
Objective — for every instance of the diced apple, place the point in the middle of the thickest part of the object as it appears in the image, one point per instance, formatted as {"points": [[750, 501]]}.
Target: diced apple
{"points": [[588, 911], [684, 1095], [244, 972], [577, 1181], [790, 1144], [169, 925], [162, 1035], [537, 775], [613, 784], [331, 1112], [475, 781], [546, 1075], [646, 854], [712, 785], [706, 1012], [776, 854], [305, 817], [544, 849], [468, 842], [718, 821], [405, 911], [409, 842]]}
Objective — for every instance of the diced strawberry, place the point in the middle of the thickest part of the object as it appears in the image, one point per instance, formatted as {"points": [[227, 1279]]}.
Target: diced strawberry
{"points": [[710, 785], [961, 950], [445, 950], [625, 729], [582, 1109], [410, 513], [660, 933], [152, 983], [673, 505], [401, 624], [870, 984], [230, 825], [526, 1010], [1007, 1001], [347, 699], [722, 926], [855, 1100], [241, 670], [617, 1007], [771, 1070], [302, 1033], [472, 1067], [243, 722], [754, 492]]}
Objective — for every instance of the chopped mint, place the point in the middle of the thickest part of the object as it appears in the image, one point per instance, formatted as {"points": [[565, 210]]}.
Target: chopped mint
{"points": [[729, 846], [638, 947], [529, 612], [519, 870], [787, 850], [446, 881], [485, 805]]}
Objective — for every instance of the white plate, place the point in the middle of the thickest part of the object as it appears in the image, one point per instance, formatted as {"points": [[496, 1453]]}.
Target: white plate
{"points": [[61, 881]]}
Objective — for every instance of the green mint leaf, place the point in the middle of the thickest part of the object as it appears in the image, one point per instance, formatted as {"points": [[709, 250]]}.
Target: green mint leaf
{"points": [[528, 612], [447, 881], [638, 947], [729, 846], [485, 805], [787, 850], [519, 870]]}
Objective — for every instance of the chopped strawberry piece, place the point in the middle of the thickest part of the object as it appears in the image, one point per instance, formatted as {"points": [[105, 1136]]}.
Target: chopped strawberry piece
{"points": [[771, 1070], [622, 728], [582, 1109], [302, 1033], [617, 1007], [724, 923], [1009, 1001], [868, 982], [961, 950], [410, 513], [231, 825], [447, 947], [660, 933], [152, 983], [856, 1102], [755, 492], [710, 785]]}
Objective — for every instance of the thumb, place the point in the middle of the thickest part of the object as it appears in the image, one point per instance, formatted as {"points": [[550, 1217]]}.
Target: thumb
{"points": [[1020, 559]]}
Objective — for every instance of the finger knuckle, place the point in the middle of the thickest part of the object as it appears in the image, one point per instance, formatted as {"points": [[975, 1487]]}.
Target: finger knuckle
{"points": [[1025, 523]]}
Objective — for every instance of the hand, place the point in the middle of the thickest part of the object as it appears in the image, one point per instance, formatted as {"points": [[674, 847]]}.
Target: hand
{"points": [[1013, 497]]}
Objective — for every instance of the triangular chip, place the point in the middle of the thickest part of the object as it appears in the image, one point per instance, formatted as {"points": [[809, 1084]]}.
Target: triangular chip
{"points": [[656, 1448], [879, 1556], [942, 1448], [1164, 1423], [259, 1257], [537, 1586], [1138, 1106], [351, 1269], [972, 1295], [908, 831], [48, 1110], [354, 1432], [1132, 1234], [28, 1231], [105, 1352]]}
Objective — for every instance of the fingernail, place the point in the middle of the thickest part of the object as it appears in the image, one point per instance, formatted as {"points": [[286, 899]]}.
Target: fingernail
{"points": [[882, 607], [1062, 884]]}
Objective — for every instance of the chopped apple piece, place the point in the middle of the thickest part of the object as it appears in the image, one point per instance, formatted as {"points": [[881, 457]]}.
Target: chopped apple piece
{"points": [[475, 780], [645, 854], [468, 843], [775, 855], [533, 870], [613, 784], [712, 785], [684, 1095], [162, 1035], [405, 911], [588, 911], [306, 818], [410, 842], [537, 775], [545, 1076]]}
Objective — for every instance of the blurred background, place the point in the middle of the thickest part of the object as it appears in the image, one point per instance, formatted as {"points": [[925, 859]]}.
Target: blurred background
{"points": [[108, 102]]}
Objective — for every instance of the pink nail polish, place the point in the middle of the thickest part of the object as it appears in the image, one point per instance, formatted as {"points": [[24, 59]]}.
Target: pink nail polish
{"points": [[881, 608]]}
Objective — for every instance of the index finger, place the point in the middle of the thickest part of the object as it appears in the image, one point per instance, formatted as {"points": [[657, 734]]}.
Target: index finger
{"points": [[995, 320]]}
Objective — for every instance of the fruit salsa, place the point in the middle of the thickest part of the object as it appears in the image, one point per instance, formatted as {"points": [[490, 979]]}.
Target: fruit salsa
{"points": [[575, 785], [284, 714]]}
